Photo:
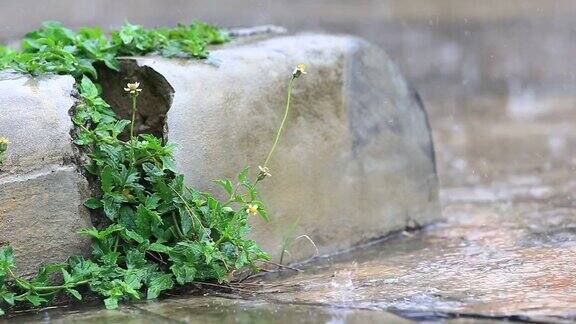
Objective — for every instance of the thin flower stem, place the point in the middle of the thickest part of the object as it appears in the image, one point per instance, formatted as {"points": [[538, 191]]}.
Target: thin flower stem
{"points": [[180, 233], [286, 111], [133, 116]]}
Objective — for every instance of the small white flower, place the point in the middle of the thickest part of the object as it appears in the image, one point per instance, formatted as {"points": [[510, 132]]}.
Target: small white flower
{"points": [[299, 70], [264, 171], [133, 88]]}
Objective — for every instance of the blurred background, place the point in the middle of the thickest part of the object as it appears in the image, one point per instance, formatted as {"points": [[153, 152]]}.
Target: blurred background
{"points": [[497, 76]]}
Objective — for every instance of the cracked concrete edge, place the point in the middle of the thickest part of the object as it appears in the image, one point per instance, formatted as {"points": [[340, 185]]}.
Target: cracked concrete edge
{"points": [[42, 187]]}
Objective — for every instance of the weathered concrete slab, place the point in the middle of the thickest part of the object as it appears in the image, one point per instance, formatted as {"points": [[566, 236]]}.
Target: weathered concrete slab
{"points": [[355, 161], [41, 190]]}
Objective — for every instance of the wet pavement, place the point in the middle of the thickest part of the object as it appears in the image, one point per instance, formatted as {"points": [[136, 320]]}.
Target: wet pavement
{"points": [[506, 251]]}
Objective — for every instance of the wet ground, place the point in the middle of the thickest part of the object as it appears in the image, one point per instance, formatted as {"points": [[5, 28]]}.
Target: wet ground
{"points": [[507, 250]]}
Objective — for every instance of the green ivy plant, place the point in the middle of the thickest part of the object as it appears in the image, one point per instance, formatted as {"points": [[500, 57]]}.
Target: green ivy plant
{"points": [[160, 232]]}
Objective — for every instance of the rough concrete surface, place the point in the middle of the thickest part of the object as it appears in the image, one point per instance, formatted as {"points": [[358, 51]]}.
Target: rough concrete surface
{"points": [[355, 161], [41, 190]]}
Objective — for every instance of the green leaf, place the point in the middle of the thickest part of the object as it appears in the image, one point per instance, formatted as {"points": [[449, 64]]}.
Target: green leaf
{"points": [[8, 298], [152, 170], [135, 236], [6, 260], [119, 127], [42, 278], [157, 247], [93, 203], [67, 277], [227, 185], [107, 179], [263, 213], [75, 293], [35, 300], [111, 303], [110, 258], [111, 208], [158, 284], [184, 273], [243, 175], [142, 222], [93, 232], [168, 163], [152, 201], [88, 89], [186, 222], [135, 259]]}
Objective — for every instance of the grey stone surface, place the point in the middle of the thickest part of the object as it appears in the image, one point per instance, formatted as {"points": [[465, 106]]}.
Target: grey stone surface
{"points": [[355, 161], [41, 190]]}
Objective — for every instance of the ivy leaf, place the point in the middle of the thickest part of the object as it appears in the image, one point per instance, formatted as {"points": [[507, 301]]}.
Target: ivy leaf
{"points": [[43, 276], [107, 179], [152, 201], [168, 163], [119, 127], [110, 258], [8, 298], [184, 273], [66, 276], [135, 236], [243, 175], [88, 89], [100, 235], [263, 213], [111, 303], [74, 293], [35, 300], [158, 284], [157, 247], [6, 260], [93, 203], [226, 184]]}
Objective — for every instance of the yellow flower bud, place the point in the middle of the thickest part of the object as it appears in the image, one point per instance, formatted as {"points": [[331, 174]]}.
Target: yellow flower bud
{"points": [[252, 209]]}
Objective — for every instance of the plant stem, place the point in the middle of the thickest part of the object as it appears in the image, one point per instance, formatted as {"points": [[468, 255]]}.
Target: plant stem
{"points": [[286, 111], [63, 286], [180, 233], [133, 116]]}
